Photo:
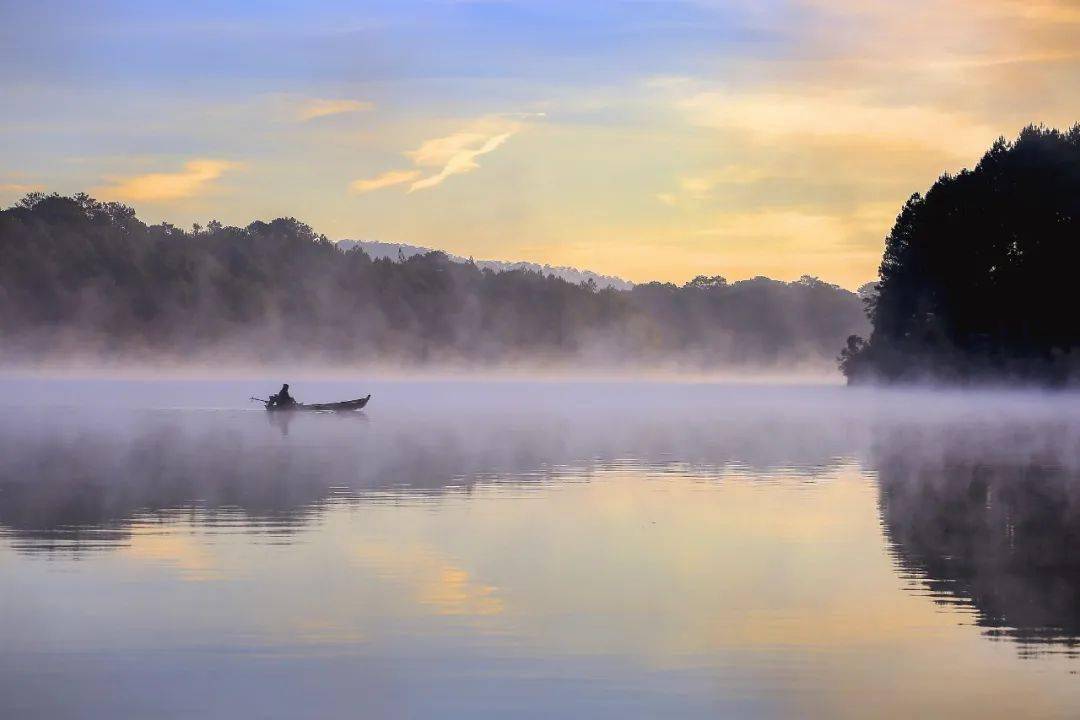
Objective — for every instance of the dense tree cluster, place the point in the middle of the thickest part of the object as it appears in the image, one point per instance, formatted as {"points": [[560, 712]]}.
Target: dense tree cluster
{"points": [[80, 275], [976, 281]]}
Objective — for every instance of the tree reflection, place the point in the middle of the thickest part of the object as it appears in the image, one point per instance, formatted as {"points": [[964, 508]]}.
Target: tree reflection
{"points": [[82, 484], [989, 516]]}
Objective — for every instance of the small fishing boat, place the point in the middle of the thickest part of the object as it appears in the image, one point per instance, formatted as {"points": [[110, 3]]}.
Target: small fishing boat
{"points": [[357, 404]]}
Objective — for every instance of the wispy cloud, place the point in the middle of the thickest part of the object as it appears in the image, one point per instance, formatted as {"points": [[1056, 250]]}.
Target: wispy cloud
{"points": [[701, 187], [443, 157], [455, 153], [777, 226], [786, 228], [312, 108], [776, 116], [387, 179], [20, 187], [1059, 11], [196, 178]]}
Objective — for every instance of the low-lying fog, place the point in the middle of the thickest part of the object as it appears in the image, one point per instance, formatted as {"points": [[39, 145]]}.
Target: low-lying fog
{"points": [[796, 540]]}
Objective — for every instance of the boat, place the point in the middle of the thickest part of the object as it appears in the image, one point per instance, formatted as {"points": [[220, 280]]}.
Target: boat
{"points": [[357, 404]]}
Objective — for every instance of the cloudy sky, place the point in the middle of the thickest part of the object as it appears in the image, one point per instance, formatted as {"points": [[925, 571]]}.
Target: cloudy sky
{"points": [[652, 140]]}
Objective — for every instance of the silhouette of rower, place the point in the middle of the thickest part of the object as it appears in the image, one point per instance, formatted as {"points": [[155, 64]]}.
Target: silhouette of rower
{"points": [[283, 398]]}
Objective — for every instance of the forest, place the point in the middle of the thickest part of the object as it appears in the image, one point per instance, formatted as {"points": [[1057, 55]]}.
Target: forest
{"points": [[84, 278], [976, 283]]}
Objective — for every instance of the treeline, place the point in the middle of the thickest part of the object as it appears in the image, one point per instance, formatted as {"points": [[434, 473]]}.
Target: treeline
{"points": [[82, 276], [977, 280]]}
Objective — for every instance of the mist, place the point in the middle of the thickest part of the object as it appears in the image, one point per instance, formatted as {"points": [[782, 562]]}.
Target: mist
{"points": [[87, 284], [456, 523], [203, 439]]}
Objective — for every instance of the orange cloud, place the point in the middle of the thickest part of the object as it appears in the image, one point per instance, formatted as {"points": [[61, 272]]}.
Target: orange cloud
{"points": [[196, 177], [778, 115], [20, 187], [696, 188], [453, 154], [385, 180], [323, 107]]}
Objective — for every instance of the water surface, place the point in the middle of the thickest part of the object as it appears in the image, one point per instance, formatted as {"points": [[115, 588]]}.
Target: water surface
{"points": [[466, 549]]}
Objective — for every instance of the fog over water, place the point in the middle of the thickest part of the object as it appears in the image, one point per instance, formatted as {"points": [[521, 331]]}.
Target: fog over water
{"points": [[470, 548]]}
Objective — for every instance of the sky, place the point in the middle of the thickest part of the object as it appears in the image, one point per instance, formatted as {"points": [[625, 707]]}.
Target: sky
{"points": [[654, 140]]}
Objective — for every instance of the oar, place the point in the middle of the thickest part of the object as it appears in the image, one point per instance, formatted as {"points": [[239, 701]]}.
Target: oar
{"points": [[260, 400]]}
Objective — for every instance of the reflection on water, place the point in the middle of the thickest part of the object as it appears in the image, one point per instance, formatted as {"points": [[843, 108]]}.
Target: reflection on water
{"points": [[989, 516], [469, 550]]}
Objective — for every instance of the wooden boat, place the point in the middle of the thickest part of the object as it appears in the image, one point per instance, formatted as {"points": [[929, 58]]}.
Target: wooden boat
{"points": [[357, 404]]}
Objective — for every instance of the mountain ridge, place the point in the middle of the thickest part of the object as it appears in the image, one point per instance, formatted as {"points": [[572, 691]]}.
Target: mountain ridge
{"points": [[378, 250]]}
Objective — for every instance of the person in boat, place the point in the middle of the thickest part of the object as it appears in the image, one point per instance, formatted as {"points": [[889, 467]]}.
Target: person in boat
{"points": [[283, 398]]}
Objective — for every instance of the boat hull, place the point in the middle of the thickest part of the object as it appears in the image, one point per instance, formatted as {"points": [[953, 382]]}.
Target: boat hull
{"points": [[345, 405]]}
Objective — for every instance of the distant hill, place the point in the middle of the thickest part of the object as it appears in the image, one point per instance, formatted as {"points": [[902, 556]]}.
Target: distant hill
{"points": [[379, 250]]}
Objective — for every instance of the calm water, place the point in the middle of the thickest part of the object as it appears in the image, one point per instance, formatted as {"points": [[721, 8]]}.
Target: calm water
{"points": [[466, 550]]}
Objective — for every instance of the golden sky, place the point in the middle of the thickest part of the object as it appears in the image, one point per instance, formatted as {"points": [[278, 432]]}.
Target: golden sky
{"points": [[651, 140]]}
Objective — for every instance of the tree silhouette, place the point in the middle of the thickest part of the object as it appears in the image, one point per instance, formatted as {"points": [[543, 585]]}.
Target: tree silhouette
{"points": [[78, 275], [976, 279]]}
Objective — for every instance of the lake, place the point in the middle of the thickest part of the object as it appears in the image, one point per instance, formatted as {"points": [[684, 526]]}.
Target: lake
{"points": [[467, 549]]}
